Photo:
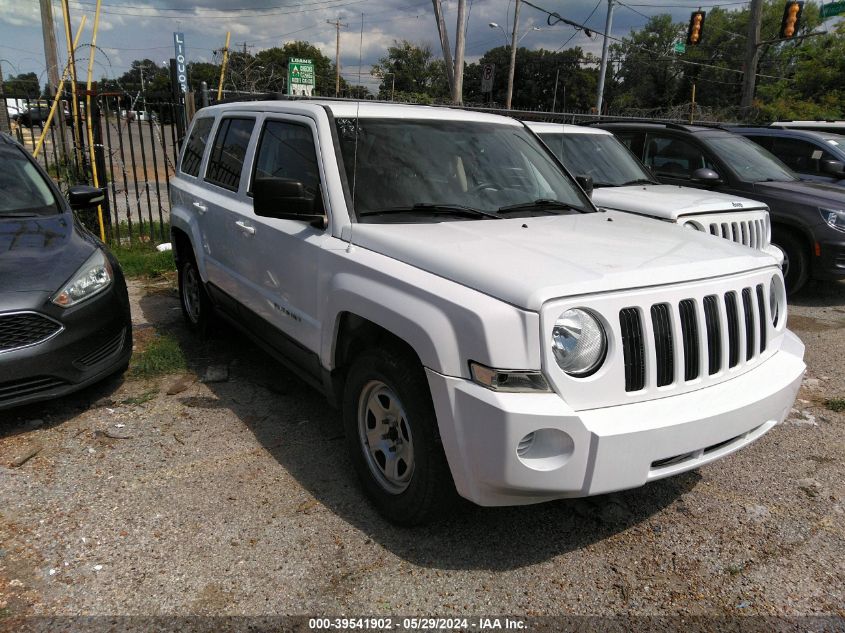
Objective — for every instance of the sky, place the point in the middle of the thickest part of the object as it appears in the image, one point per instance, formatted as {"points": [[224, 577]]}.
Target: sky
{"points": [[138, 29]]}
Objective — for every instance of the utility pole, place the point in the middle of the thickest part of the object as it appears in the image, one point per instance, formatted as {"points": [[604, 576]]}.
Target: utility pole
{"points": [[514, 44], [77, 122], [554, 98], [460, 45], [752, 53], [603, 70], [444, 44], [337, 25], [4, 113], [51, 56]]}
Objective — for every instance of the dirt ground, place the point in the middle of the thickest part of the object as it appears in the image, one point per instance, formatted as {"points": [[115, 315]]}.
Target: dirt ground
{"points": [[234, 497]]}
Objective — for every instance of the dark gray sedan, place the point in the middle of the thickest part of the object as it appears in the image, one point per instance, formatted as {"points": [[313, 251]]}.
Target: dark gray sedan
{"points": [[64, 309]]}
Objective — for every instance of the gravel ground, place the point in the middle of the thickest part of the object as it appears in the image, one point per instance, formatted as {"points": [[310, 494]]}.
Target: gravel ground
{"points": [[235, 498]]}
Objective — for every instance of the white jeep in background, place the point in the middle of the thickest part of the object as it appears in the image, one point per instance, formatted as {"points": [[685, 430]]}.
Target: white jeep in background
{"points": [[484, 329], [622, 183]]}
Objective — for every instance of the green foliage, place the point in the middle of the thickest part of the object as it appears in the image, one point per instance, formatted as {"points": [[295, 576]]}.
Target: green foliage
{"points": [[410, 68], [534, 79], [162, 355], [143, 260], [25, 84], [836, 404]]}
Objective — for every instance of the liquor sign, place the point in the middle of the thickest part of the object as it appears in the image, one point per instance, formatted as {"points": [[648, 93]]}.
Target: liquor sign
{"points": [[300, 76], [181, 64]]}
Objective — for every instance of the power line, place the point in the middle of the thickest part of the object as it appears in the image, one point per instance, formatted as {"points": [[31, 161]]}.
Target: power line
{"points": [[555, 18], [225, 15]]}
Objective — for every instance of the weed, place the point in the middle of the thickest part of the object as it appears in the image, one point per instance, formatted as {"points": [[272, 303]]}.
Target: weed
{"points": [[144, 397], [836, 404], [162, 355], [143, 260]]}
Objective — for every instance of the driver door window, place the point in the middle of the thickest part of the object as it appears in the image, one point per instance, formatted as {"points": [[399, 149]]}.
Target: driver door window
{"points": [[671, 157]]}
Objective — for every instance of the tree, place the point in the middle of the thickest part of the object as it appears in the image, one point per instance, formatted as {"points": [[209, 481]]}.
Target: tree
{"points": [[648, 76], [410, 72], [23, 85], [535, 75]]}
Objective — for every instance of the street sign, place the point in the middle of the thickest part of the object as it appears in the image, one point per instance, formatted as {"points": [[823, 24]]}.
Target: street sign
{"points": [[834, 8], [487, 74], [181, 65], [300, 76], [680, 48]]}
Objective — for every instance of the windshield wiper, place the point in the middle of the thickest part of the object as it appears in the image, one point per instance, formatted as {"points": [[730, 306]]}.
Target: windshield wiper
{"points": [[542, 204], [638, 181], [430, 207], [18, 214]]}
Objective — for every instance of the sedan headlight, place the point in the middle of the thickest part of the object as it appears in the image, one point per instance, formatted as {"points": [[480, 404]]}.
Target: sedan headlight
{"points": [[579, 342], [835, 218], [94, 276]]}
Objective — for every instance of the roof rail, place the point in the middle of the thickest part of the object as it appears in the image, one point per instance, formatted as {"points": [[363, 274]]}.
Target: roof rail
{"points": [[673, 125]]}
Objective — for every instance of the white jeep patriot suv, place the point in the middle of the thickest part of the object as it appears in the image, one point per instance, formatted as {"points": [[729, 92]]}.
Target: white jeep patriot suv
{"points": [[622, 183], [483, 328]]}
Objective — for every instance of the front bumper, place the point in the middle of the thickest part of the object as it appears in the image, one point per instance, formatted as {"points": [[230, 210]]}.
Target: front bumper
{"points": [[829, 259], [595, 451], [96, 341]]}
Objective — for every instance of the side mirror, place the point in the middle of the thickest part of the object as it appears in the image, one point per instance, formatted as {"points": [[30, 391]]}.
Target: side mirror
{"points": [[285, 199], [83, 197], [833, 167], [586, 183], [704, 176]]}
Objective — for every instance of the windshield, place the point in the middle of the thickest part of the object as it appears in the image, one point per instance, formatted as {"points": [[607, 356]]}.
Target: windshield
{"points": [[601, 156], [23, 190], [751, 162], [435, 170]]}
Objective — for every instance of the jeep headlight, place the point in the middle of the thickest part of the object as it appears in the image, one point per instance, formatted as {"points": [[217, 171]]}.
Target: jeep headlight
{"points": [[693, 226], [835, 218], [579, 342], [94, 276]]}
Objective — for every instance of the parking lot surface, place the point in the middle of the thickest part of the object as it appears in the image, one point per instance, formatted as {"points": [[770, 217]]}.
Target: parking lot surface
{"points": [[224, 489]]}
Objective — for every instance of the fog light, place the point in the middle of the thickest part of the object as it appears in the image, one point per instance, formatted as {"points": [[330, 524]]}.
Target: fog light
{"points": [[545, 449]]}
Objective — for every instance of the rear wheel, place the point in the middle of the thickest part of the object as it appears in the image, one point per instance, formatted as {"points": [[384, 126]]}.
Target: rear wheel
{"points": [[392, 437], [796, 261], [196, 304]]}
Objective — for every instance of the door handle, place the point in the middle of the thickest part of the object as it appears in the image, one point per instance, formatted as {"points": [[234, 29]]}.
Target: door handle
{"points": [[199, 206], [246, 228]]}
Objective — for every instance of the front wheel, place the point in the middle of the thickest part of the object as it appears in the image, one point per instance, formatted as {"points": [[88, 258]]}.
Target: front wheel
{"points": [[796, 263], [196, 304], [392, 438]]}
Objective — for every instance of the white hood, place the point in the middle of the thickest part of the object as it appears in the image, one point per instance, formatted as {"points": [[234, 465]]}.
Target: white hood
{"points": [[527, 261], [669, 202]]}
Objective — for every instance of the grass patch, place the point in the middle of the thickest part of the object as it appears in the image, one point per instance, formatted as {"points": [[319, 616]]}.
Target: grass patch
{"points": [[162, 355], [144, 397], [836, 404], [143, 260]]}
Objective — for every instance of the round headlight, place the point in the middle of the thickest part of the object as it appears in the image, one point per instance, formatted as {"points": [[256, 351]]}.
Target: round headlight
{"points": [[694, 227], [777, 300], [579, 342]]}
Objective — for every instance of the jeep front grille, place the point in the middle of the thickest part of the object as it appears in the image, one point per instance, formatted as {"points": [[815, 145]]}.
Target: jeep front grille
{"points": [[749, 228], [710, 328]]}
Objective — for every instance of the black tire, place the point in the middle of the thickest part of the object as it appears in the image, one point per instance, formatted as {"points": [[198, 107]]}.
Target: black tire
{"points": [[196, 304], [796, 260], [430, 490]]}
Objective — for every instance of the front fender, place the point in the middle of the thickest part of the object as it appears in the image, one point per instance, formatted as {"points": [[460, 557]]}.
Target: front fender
{"points": [[446, 324]]}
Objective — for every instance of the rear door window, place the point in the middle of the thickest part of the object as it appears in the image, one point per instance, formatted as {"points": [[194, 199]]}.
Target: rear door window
{"points": [[802, 156], [229, 152], [195, 147]]}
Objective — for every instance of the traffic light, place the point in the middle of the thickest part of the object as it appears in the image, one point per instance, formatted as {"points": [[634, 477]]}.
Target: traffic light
{"points": [[791, 18], [696, 25]]}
